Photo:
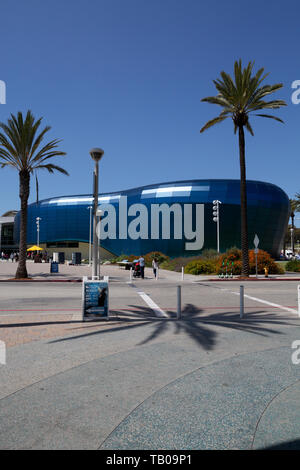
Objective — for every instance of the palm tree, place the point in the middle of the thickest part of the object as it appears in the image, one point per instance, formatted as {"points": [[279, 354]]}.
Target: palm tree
{"points": [[295, 207], [297, 202], [239, 97], [20, 148]]}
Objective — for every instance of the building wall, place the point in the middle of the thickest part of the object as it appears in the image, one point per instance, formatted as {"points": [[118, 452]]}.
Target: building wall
{"points": [[67, 218], [83, 248]]}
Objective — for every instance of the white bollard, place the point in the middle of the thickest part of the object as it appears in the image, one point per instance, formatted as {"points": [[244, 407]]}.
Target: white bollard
{"points": [[156, 277], [299, 300], [130, 275], [182, 273], [241, 301], [178, 302]]}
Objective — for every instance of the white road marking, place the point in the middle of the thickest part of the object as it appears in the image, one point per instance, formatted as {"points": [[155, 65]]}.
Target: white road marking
{"points": [[156, 309], [268, 303], [272, 304]]}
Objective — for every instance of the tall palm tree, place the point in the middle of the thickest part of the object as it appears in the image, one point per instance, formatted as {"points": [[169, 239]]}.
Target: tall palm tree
{"points": [[239, 97], [20, 148]]}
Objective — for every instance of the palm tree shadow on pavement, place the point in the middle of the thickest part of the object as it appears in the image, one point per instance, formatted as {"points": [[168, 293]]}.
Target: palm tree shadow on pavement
{"points": [[199, 326]]}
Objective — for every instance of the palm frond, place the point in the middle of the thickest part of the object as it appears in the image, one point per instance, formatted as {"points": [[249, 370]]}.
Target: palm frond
{"points": [[249, 128], [51, 167], [242, 95], [212, 122], [21, 143], [270, 117]]}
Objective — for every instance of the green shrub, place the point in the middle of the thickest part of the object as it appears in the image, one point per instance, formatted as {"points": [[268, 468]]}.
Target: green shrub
{"points": [[293, 265], [176, 264], [232, 259], [123, 257], [161, 258], [209, 254], [200, 267]]}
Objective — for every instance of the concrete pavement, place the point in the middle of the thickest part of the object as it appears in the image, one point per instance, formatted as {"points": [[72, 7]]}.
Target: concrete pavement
{"points": [[208, 381]]}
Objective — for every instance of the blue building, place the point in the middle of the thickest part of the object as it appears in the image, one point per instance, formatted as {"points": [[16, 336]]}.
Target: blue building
{"points": [[175, 218]]}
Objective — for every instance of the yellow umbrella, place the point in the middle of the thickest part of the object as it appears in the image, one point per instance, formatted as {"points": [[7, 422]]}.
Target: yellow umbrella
{"points": [[35, 248]]}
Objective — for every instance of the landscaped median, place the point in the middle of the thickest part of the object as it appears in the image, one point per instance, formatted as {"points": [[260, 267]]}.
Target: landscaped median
{"points": [[211, 262]]}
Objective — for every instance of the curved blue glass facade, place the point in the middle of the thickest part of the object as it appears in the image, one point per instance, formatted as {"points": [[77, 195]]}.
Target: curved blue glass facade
{"points": [[174, 218]]}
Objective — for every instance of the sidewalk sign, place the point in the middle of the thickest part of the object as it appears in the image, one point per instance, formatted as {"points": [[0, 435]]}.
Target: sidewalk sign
{"points": [[95, 299]]}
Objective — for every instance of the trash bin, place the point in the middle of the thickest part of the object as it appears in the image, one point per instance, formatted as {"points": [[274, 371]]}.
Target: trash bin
{"points": [[54, 267], [76, 258]]}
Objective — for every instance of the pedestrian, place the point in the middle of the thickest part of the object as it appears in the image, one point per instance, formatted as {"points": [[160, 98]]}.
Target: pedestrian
{"points": [[142, 266], [154, 266]]}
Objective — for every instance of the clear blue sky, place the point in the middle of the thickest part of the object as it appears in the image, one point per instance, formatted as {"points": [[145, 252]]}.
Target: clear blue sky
{"points": [[128, 76]]}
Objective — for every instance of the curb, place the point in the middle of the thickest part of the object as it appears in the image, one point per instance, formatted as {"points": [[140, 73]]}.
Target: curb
{"points": [[250, 279], [40, 280]]}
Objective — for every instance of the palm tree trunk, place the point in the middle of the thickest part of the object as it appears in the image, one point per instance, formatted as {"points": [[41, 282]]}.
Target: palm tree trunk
{"points": [[293, 231], [24, 178], [244, 221]]}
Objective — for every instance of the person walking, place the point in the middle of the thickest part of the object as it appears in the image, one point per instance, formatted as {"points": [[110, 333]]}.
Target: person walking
{"points": [[142, 266], [154, 267]]}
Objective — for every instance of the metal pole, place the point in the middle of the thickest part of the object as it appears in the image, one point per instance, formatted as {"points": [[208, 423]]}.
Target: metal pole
{"points": [[182, 273], [241, 301], [130, 274], [299, 300], [178, 302], [95, 237], [256, 263], [38, 230], [98, 224], [218, 230], [90, 236]]}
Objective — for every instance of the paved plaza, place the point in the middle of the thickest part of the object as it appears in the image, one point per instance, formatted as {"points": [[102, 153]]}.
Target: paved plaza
{"points": [[145, 379]]}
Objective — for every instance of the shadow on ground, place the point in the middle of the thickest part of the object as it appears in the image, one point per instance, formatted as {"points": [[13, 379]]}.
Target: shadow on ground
{"points": [[289, 445], [193, 322]]}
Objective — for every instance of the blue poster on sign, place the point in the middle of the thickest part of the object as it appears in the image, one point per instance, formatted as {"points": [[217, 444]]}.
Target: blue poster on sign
{"points": [[95, 299]]}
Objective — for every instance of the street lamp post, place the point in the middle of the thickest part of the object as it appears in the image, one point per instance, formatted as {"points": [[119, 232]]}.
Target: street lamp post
{"points": [[99, 214], [90, 236], [38, 219], [96, 154], [292, 240], [216, 218]]}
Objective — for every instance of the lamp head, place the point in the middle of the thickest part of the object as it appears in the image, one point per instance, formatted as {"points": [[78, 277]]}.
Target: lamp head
{"points": [[96, 154]]}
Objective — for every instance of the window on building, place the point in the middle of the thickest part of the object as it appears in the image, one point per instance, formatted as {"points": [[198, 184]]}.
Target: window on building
{"points": [[62, 245]]}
